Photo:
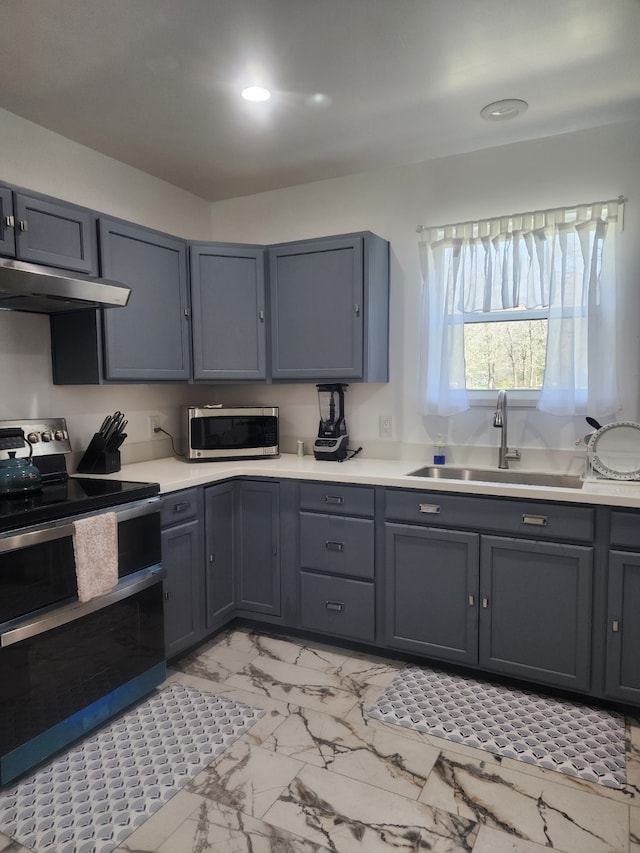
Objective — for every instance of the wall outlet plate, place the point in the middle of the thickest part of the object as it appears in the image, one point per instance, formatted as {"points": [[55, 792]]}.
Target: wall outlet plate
{"points": [[385, 426]]}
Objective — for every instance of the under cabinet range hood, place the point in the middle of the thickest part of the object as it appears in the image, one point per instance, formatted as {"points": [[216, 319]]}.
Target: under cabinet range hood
{"points": [[46, 290]]}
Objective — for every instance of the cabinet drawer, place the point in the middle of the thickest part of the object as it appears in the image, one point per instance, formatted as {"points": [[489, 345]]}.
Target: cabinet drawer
{"points": [[337, 498], [337, 544], [625, 530], [179, 506], [337, 606], [510, 515]]}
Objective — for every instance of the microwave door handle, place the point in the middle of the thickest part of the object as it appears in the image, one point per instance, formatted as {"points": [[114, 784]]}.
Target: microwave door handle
{"points": [[50, 534], [76, 610]]}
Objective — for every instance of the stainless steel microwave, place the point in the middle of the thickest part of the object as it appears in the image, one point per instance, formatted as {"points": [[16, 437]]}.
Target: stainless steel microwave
{"points": [[231, 432]]}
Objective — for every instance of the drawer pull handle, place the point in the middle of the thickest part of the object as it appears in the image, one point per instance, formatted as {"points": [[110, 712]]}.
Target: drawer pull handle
{"points": [[472, 600], [334, 546], [539, 520], [485, 603], [10, 221], [180, 507], [334, 605], [615, 626], [333, 499], [24, 225], [432, 508]]}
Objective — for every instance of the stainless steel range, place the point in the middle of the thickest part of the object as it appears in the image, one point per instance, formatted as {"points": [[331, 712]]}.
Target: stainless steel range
{"points": [[68, 665]]}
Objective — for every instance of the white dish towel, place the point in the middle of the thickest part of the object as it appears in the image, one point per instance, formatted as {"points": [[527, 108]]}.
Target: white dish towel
{"points": [[95, 544]]}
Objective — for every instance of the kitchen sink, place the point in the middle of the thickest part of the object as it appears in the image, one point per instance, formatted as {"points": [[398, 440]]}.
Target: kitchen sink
{"points": [[497, 475]]}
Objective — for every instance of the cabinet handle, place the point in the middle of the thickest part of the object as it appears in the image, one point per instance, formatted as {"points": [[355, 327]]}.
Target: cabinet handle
{"points": [[10, 221], [186, 312], [261, 316], [615, 626], [334, 605], [212, 558], [472, 600], [333, 499], [539, 520], [181, 506], [334, 546], [485, 603], [166, 596], [24, 225], [356, 308], [432, 508]]}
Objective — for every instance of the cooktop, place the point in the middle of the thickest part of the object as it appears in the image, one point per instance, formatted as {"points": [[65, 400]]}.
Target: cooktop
{"points": [[72, 496]]}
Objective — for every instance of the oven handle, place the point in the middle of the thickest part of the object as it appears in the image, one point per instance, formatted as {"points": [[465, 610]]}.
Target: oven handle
{"points": [[127, 587], [60, 531]]}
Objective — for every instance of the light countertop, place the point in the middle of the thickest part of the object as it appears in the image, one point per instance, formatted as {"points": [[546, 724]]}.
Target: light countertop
{"points": [[173, 474]]}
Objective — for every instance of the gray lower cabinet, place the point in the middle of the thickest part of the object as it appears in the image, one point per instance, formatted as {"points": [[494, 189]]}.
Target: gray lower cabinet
{"points": [[329, 309], [47, 231], [521, 607], [336, 560], [259, 569], [220, 553], [182, 558], [535, 610], [228, 312], [431, 591], [622, 673]]}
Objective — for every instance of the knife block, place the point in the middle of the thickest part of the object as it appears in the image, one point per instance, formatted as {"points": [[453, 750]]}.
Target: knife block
{"points": [[97, 459]]}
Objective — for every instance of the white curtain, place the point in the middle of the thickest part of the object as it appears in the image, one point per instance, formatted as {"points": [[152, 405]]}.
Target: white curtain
{"points": [[562, 261]]}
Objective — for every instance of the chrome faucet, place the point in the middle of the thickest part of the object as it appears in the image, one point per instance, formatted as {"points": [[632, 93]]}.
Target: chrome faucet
{"points": [[500, 421]]}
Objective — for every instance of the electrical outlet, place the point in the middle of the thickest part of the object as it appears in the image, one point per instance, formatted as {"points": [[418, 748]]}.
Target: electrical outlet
{"points": [[386, 426], [154, 423]]}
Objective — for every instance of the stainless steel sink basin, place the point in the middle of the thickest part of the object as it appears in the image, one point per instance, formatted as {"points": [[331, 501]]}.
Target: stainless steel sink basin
{"points": [[497, 475]]}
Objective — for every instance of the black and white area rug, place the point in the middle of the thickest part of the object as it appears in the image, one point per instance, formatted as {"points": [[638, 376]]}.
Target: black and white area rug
{"points": [[574, 739], [96, 794]]}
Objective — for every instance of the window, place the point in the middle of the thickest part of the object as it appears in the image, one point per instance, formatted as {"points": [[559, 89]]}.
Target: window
{"points": [[524, 303]]}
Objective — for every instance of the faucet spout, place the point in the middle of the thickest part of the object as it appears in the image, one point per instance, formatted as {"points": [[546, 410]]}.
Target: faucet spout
{"points": [[500, 421]]}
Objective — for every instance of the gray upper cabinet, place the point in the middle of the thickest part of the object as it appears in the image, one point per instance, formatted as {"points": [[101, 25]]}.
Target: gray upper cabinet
{"points": [[47, 231], [228, 312], [329, 309], [7, 223], [149, 339]]}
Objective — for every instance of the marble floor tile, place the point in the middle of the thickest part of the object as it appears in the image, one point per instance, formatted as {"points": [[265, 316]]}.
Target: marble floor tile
{"points": [[217, 829], [246, 778], [352, 817], [153, 833], [528, 808], [494, 841], [634, 830], [296, 684], [375, 755]]}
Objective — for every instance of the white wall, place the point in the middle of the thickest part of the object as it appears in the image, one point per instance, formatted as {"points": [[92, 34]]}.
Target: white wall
{"points": [[584, 166], [580, 167], [36, 159]]}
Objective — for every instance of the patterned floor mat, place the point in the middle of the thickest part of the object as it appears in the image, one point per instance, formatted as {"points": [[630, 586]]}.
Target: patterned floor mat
{"points": [[574, 739], [95, 795]]}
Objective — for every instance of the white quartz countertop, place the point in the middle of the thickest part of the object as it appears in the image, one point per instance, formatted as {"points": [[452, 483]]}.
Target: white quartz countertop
{"points": [[174, 474]]}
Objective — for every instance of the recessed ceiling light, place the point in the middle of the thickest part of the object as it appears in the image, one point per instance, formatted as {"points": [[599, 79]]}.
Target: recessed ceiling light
{"points": [[256, 93], [503, 110]]}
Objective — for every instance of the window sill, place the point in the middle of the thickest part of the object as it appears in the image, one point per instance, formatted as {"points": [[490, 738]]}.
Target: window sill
{"points": [[517, 399]]}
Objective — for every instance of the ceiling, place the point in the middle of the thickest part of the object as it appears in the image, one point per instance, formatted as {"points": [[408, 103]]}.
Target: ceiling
{"points": [[357, 84]]}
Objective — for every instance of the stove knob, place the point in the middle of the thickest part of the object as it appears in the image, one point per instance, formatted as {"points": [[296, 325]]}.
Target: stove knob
{"points": [[32, 438], [59, 435], [46, 436]]}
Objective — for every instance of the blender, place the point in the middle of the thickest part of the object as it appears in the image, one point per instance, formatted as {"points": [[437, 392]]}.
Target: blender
{"points": [[331, 443]]}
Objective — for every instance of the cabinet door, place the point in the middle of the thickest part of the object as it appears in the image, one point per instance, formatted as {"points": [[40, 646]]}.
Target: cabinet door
{"points": [[7, 220], [219, 554], [183, 587], [432, 591], [623, 628], [228, 312], [55, 234], [149, 339], [259, 548], [317, 309], [535, 615]]}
